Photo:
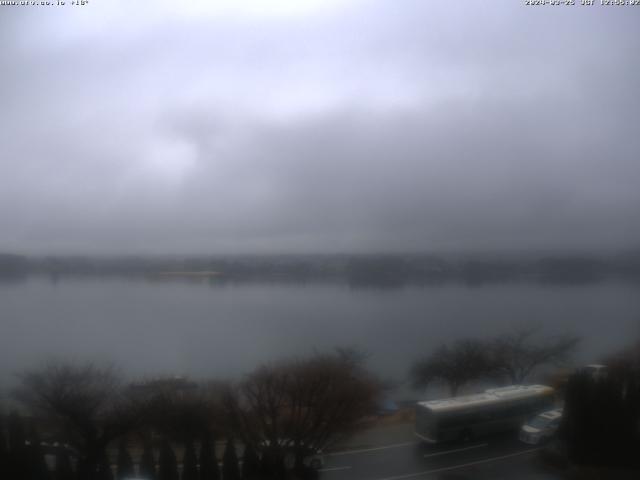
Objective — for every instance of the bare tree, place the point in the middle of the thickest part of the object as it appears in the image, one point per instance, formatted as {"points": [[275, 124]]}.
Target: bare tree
{"points": [[124, 462], [183, 410], [17, 466], [37, 465], [64, 470], [230, 468], [4, 450], [456, 365], [250, 464], [87, 401], [303, 405], [518, 354], [167, 463], [147, 465], [208, 459], [189, 462], [627, 359]]}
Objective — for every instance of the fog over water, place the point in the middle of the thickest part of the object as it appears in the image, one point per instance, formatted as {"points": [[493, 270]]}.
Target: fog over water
{"points": [[226, 330]]}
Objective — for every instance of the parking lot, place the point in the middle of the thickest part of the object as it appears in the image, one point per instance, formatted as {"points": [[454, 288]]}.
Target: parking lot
{"points": [[502, 456]]}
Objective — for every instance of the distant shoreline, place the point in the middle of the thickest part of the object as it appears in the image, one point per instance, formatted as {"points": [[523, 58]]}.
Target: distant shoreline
{"points": [[193, 274], [357, 270]]}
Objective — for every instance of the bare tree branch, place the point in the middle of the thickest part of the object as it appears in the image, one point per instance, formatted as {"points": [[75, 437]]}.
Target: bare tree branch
{"points": [[87, 401], [456, 365], [518, 354], [303, 404]]}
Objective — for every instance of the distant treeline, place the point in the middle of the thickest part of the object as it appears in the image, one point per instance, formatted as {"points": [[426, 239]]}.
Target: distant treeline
{"points": [[358, 270]]}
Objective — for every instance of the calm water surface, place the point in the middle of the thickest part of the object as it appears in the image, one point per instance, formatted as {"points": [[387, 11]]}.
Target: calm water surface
{"points": [[225, 330]]}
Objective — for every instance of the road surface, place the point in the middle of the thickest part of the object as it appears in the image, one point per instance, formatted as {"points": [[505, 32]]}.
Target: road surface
{"points": [[498, 457]]}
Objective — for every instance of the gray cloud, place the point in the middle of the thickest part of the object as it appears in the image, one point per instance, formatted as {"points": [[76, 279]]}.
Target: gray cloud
{"points": [[366, 126]]}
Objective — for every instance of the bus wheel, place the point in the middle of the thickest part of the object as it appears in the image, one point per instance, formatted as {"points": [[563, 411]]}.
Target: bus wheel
{"points": [[466, 435]]}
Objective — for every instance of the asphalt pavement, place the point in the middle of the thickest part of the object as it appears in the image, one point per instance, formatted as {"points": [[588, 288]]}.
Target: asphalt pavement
{"points": [[496, 457]]}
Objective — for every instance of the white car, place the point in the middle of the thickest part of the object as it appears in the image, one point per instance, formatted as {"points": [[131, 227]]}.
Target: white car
{"points": [[541, 427], [597, 372]]}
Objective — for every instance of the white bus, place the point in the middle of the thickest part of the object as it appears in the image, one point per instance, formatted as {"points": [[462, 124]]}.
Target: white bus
{"points": [[495, 410]]}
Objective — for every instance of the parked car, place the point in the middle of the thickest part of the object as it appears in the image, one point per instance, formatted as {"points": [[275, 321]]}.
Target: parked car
{"points": [[312, 458], [541, 428], [597, 372], [52, 449]]}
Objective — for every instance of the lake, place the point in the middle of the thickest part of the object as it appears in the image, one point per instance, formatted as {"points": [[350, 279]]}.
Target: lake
{"points": [[224, 330]]}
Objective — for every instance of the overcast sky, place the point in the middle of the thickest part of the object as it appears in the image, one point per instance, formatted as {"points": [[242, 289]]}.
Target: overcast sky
{"points": [[318, 126]]}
